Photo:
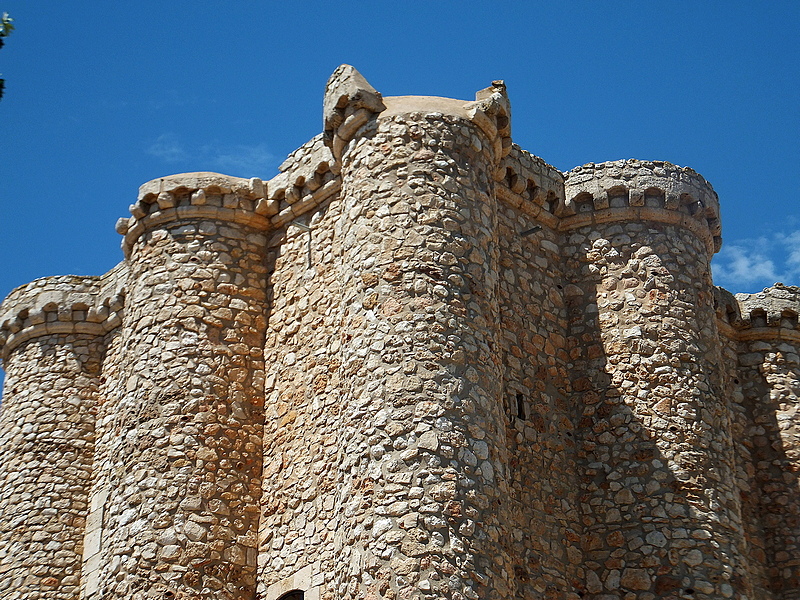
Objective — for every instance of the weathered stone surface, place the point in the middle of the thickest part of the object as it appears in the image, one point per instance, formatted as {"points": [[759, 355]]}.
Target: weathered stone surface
{"points": [[419, 363]]}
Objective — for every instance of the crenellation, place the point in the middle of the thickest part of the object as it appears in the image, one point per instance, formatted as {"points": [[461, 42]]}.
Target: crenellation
{"points": [[527, 182], [305, 171], [418, 363], [777, 306], [51, 305], [651, 190], [197, 196]]}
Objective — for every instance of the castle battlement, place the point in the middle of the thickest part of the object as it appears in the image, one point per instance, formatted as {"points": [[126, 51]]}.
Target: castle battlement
{"points": [[419, 363], [61, 305], [197, 196], [771, 313], [527, 182], [649, 190]]}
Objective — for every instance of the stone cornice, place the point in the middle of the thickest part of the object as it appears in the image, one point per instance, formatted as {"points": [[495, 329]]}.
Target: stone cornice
{"points": [[197, 196], [640, 214], [627, 190], [769, 315], [62, 305]]}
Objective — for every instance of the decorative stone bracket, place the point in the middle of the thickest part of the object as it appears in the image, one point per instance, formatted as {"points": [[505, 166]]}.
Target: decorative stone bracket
{"points": [[491, 111], [350, 101], [528, 183]]}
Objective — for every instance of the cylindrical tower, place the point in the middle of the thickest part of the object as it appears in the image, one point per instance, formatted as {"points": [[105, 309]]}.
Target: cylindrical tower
{"points": [[175, 498], [51, 343], [421, 464], [660, 508], [729, 322], [769, 374]]}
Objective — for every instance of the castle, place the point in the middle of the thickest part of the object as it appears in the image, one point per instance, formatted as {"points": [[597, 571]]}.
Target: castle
{"points": [[418, 364]]}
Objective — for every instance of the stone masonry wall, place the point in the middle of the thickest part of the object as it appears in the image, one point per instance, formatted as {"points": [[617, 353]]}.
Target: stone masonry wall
{"points": [[51, 342], [741, 429], [102, 462], [182, 482], [417, 364], [301, 437], [422, 492], [776, 439], [47, 446], [661, 513], [545, 537]]}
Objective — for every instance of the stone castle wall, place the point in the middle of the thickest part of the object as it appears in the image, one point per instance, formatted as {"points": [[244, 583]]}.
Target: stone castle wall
{"points": [[417, 363]]}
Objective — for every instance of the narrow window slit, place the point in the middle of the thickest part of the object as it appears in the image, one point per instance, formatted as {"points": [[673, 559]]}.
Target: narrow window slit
{"points": [[520, 407]]}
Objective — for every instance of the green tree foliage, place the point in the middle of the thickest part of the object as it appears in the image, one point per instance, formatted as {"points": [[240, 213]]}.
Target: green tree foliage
{"points": [[6, 27]]}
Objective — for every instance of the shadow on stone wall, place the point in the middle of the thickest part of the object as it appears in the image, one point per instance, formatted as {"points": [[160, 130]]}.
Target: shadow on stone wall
{"points": [[771, 387]]}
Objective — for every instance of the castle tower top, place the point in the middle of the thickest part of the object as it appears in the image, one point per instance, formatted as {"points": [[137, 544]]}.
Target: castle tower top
{"points": [[196, 195], [67, 304], [635, 189], [771, 313], [350, 101]]}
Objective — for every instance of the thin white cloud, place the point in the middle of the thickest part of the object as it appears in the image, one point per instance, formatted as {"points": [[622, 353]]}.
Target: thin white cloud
{"points": [[749, 265], [168, 148], [791, 244], [250, 161], [241, 160]]}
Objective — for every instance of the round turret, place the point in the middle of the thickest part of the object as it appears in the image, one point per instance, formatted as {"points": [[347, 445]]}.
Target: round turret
{"points": [[187, 393], [642, 190], [52, 342], [768, 375], [771, 313], [639, 240], [198, 196], [415, 239], [60, 305]]}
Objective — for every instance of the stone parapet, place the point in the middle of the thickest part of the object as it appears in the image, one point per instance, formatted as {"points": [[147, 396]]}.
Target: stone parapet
{"points": [[528, 183], [348, 104], [642, 191], [770, 314], [307, 178], [197, 196], [726, 306], [61, 305], [52, 342]]}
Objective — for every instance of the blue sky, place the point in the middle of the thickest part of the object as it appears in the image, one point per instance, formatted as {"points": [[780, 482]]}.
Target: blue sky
{"points": [[103, 96]]}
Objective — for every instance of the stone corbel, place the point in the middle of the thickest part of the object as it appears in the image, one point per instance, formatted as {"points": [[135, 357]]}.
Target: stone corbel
{"points": [[350, 102], [491, 111]]}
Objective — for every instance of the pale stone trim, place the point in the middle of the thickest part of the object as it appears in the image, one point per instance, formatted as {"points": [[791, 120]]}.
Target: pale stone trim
{"points": [[634, 213], [92, 544], [769, 333], [529, 208], [200, 212], [307, 203], [308, 580]]}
